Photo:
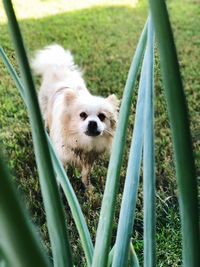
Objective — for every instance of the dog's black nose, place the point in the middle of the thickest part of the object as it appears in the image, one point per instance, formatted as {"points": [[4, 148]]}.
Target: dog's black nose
{"points": [[92, 125], [92, 129]]}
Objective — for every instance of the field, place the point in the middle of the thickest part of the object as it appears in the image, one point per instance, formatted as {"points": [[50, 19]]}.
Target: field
{"points": [[103, 39]]}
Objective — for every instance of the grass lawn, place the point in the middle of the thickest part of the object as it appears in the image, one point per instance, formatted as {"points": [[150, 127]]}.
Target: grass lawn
{"points": [[103, 40]]}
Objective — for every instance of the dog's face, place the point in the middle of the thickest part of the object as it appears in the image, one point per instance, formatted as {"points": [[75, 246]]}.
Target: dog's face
{"points": [[96, 116], [90, 119]]}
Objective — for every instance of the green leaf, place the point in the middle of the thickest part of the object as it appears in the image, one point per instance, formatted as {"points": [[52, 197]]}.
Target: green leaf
{"points": [[110, 256], [104, 230], [18, 242], [148, 156], [2, 258], [74, 205], [61, 176], [134, 262], [178, 115], [129, 198], [133, 257], [53, 207]]}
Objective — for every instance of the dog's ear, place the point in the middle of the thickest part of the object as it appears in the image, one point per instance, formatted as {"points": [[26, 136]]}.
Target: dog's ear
{"points": [[114, 101], [70, 95]]}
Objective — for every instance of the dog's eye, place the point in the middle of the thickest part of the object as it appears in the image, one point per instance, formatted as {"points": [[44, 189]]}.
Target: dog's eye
{"points": [[101, 116], [83, 115]]}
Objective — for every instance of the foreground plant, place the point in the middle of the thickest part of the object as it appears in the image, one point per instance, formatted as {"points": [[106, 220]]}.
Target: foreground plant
{"points": [[15, 250]]}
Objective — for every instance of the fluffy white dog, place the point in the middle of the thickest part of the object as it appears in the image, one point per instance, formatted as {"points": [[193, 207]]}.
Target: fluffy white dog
{"points": [[80, 124]]}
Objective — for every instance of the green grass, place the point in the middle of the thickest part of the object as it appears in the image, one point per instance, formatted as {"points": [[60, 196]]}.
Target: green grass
{"points": [[103, 40]]}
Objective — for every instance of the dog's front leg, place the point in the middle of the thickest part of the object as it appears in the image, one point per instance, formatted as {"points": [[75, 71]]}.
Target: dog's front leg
{"points": [[85, 173]]}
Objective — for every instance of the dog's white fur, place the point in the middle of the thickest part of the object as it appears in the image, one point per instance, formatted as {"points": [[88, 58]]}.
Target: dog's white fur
{"points": [[68, 108]]}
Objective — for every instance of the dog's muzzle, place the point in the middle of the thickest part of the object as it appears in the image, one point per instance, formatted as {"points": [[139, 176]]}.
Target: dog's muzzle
{"points": [[92, 129]]}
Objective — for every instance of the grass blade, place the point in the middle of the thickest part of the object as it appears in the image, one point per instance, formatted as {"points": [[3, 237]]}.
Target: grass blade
{"points": [[132, 180], [53, 207], [178, 115], [104, 230], [19, 243], [148, 157], [61, 176]]}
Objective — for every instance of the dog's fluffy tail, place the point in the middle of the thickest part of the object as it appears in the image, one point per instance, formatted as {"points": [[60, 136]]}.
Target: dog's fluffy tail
{"points": [[51, 59]]}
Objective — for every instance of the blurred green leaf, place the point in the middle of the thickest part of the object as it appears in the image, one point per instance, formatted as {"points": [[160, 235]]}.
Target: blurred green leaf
{"points": [[178, 115], [53, 207], [18, 240]]}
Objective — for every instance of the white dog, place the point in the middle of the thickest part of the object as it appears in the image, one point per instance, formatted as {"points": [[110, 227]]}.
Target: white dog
{"points": [[80, 124]]}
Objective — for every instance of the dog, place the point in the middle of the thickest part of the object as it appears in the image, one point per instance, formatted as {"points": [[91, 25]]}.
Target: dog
{"points": [[81, 125]]}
